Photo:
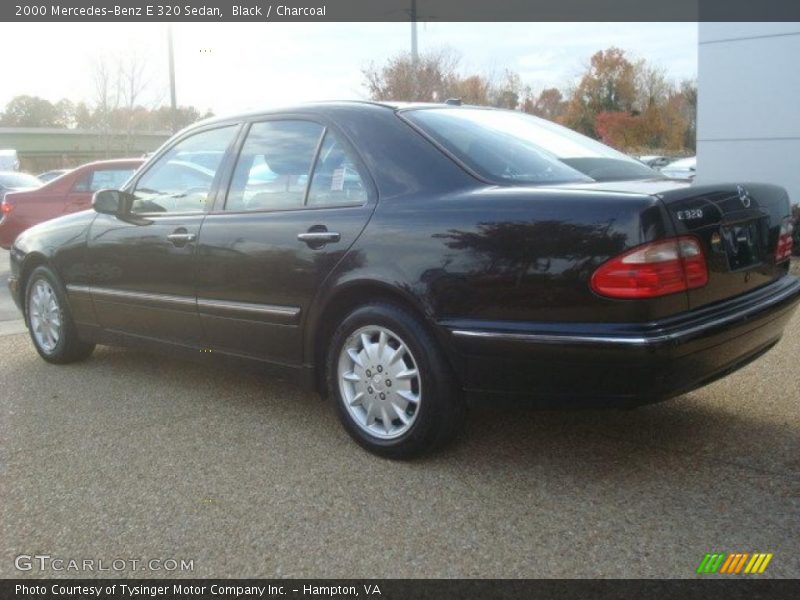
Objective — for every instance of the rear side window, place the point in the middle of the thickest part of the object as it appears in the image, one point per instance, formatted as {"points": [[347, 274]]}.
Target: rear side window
{"points": [[104, 179], [291, 164], [274, 165], [336, 179]]}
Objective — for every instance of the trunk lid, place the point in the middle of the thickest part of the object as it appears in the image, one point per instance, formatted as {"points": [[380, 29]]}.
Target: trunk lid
{"points": [[738, 226]]}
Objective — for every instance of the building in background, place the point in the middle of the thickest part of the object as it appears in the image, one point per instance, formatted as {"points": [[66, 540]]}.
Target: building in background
{"points": [[40, 149], [749, 104]]}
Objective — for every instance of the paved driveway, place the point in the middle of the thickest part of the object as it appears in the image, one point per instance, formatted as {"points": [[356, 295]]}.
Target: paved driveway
{"points": [[138, 456]]}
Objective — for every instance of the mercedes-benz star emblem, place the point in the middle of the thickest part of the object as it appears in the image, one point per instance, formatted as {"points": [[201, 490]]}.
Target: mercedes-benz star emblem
{"points": [[744, 196]]}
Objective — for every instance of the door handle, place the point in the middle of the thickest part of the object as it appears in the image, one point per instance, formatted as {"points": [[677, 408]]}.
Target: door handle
{"points": [[180, 238], [319, 237]]}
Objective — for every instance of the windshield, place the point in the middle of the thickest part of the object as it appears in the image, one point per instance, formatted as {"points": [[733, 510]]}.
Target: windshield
{"points": [[18, 180], [517, 148]]}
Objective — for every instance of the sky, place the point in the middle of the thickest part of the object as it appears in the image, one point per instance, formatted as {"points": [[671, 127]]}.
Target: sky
{"points": [[230, 67]]}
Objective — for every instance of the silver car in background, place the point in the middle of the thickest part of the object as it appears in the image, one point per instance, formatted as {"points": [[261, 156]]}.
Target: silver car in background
{"points": [[683, 168]]}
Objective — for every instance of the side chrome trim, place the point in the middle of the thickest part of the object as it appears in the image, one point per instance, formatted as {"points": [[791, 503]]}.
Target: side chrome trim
{"points": [[167, 300], [546, 338], [222, 308], [247, 310], [79, 289]]}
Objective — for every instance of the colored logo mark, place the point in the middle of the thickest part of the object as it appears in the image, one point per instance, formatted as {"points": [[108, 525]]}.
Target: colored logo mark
{"points": [[735, 563]]}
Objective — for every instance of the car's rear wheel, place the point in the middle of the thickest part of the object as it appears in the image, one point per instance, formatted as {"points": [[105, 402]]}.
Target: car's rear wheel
{"points": [[394, 390], [50, 323]]}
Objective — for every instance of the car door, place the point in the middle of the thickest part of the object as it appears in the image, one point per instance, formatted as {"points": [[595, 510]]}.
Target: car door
{"points": [[80, 195], [143, 264], [297, 199]]}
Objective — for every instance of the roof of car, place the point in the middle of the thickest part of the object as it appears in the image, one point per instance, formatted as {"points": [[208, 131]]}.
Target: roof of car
{"points": [[323, 105], [113, 161]]}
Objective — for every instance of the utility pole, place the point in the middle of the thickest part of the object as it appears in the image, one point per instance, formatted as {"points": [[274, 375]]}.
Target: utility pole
{"points": [[173, 101], [414, 52]]}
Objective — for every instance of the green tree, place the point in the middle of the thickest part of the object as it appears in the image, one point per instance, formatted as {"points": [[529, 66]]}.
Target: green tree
{"points": [[30, 111], [65, 114], [549, 104], [83, 116]]}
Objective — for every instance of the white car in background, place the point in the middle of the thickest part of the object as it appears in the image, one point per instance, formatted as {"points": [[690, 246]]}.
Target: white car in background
{"points": [[683, 168], [9, 161]]}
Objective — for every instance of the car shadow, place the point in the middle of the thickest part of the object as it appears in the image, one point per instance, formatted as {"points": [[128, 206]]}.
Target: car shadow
{"points": [[698, 427], [695, 428]]}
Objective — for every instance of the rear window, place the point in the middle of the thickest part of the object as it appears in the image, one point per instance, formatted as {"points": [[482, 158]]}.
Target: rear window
{"points": [[103, 179], [516, 148]]}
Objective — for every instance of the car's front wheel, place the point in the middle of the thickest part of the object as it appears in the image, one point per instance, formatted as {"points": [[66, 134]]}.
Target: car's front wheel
{"points": [[49, 320], [394, 390]]}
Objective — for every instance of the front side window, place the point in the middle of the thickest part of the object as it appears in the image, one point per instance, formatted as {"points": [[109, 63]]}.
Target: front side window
{"points": [[105, 179], [516, 148], [181, 180], [274, 166]]}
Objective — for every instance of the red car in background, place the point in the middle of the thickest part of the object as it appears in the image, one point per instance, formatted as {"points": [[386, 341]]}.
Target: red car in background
{"points": [[69, 193]]}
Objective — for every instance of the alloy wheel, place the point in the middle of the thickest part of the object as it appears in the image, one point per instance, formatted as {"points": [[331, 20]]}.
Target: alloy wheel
{"points": [[379, 382], [45, 316]]}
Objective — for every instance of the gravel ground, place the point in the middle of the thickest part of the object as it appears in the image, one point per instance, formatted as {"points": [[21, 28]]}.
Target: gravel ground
{"points": [[8, 310], [132, 455]]}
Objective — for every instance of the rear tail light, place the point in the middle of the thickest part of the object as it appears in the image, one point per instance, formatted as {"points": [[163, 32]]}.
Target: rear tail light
{"points": [[654, 269], [785, 241], [5, 208]]}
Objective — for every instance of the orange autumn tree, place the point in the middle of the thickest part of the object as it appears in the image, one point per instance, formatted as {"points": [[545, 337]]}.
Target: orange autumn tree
{"points": [[549, 104], [609, 85], [619, 129], [627, 103]]}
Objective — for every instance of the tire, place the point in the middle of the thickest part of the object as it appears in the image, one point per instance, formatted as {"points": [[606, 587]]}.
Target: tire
{"points": [[368, 372], [49, 320]]}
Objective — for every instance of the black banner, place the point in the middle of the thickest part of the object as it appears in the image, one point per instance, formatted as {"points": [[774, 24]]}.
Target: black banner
{"points": [[397, 589], [398, 10]]}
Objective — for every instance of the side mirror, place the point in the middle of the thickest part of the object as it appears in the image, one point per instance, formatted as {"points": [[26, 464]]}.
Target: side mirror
{"points": [[110, 202]]}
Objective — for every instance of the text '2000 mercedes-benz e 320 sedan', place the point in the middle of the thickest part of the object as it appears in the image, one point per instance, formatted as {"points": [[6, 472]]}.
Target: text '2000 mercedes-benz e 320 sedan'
{"points": [[402, 258]]}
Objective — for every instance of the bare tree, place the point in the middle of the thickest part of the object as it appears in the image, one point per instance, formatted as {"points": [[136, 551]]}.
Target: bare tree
{"points": [[133, 81], [106, 98], [510, 92], [432, 77], [119, 85], [652, 86]]}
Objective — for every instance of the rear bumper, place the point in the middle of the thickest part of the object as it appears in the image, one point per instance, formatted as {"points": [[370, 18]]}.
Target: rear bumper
{"points": [[9, 230], [600, 364]]}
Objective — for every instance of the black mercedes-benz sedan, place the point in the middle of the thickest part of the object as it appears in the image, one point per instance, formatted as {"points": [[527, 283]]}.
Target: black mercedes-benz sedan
{"points": [[403, 258]]}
